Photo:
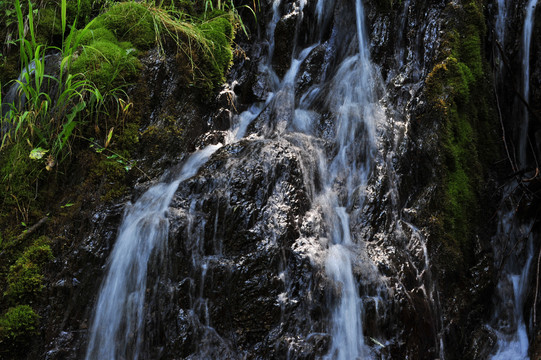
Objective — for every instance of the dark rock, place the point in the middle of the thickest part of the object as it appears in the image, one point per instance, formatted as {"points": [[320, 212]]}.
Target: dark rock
{"points": [[283, 49]]}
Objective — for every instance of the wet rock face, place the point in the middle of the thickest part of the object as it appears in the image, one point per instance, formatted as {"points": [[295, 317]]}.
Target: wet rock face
{"points": [[243, 274], [236, 286], [284, 37], [171, 119], [72, 278]]}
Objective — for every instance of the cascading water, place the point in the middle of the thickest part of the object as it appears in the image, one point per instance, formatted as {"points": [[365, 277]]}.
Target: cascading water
{"points": [[500, 21], [526, 47], [117, 327], [513, 242], [400, 50], [353, 102], [338, 163], [514, 247]]}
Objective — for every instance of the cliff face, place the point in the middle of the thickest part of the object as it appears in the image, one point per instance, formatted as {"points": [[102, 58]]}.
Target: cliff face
{"points": [[417, 194]]}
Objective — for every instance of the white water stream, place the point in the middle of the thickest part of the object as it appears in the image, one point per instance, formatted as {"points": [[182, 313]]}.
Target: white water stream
{"points": [[526, 47], [117, 327], [351, 98], [501, 21], [513, 243], [352, 101]]}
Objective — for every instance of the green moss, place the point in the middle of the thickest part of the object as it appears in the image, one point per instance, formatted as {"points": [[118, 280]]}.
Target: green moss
{"points": [[115, 173], [18, 178], [129, 21], [17, 326], [25, 280], [219, 32], [38, 253], [106, 63], [108, 56], [465, 122], [48, 25], [450, 82], [107, 177], [88, 36], [129, 137], [470, 53]]}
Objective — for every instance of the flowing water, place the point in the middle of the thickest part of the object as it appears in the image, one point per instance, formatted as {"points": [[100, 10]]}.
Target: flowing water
{"points": [[513, 242], [514, 251], [343, 157], [117, 327], [526, 47], [501, 18], [352, 100]]}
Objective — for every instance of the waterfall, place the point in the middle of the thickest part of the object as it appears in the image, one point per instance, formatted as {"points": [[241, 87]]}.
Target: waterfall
{"points": [[513, 242], [402, 31], [500, 21], [508, 320], [343, 158], [526, 47], [353, 101], [117, 327], [349, 94]]}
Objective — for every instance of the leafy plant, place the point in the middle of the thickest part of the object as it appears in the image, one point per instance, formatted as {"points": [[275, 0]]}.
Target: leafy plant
{"points": [[113, 155], [38, 118]]}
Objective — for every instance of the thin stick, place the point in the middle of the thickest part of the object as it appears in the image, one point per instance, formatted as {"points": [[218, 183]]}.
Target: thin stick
{"points": [[536, 290], [513, 167]]}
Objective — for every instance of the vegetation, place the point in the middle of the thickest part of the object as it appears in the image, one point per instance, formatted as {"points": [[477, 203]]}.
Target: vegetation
{"points": [[17, 326], [465, 127], [25, 276], [71, 109]]}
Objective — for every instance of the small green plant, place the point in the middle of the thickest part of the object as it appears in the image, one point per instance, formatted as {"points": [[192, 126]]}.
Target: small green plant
{"points": [[229, 7], [112, 155]]}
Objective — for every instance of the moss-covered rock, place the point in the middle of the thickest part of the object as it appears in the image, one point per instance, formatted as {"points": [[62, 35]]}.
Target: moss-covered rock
{"points": [[24, 282], [129, 21], [88, 36], [219, 32], [18, 178], [106, 63], [449, 89], [25, 279], [17, 326]]}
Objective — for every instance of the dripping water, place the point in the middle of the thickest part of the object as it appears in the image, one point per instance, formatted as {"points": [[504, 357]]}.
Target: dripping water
{"points": [[117, 327]]}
